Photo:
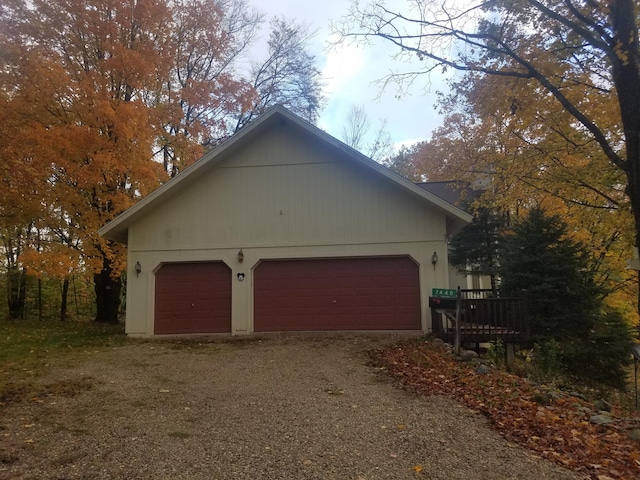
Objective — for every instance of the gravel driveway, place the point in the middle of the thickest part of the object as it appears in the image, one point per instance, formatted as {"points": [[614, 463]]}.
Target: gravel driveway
{"points": [[283, 407]]}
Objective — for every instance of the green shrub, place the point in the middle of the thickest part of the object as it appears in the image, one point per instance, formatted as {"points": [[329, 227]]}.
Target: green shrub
{"points": [[602, 358], [545, 363], [496, 353]]}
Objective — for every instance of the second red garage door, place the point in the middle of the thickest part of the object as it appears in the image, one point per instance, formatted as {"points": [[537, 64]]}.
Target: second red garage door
{"points": [[337, 294]]}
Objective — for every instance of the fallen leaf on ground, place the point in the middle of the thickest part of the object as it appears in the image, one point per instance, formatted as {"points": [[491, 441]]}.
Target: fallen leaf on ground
{"points": [[559, 430]]}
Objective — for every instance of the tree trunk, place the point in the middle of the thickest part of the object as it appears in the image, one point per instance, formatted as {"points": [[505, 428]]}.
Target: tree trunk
{"points": [[16, 292], [63, 303], [636, 216], [107, 288], [626, 77], [633, 181], [75, 296], [39, 299], [633, 192]]}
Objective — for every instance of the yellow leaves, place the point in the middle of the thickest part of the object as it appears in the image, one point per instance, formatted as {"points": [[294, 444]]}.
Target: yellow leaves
{"points": [[417, 468], [334, 391], [622, 52], [59, 261], [612, 437]]}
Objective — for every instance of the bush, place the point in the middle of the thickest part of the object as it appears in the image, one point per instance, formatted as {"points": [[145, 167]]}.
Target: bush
{"points": [[602, 358], [496, 353], [545, 365]]}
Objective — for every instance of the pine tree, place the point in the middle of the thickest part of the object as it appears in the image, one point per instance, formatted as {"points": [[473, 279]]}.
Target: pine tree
{"points": [[475, 249], [541, 261]]}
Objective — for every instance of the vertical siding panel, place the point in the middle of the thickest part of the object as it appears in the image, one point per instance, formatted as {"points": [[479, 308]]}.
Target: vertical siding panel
{"points": [[322, 199], [338, 216], [310, 211]]}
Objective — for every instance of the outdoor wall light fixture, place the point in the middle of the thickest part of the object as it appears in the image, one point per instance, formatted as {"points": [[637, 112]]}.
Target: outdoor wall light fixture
{"points": [[138, 268], [434, 260], [240, 256]]}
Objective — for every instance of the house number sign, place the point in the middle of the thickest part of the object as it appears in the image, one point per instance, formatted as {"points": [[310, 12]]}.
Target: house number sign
{"points": [[444, 292]]}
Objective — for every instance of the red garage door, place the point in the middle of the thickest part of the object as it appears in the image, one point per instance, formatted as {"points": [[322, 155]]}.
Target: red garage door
{"points": [[193, 298], [337, 294]]}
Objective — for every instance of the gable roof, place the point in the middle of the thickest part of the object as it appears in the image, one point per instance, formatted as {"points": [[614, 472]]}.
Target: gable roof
{"points": [[117, 229], [455, 192]]}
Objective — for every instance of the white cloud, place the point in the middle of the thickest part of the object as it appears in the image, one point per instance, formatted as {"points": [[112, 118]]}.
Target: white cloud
{"points": [[343, 65], [350, 71]]}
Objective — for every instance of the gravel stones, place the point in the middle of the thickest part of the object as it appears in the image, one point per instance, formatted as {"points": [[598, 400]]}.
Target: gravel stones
{"points": [[281, 407]]}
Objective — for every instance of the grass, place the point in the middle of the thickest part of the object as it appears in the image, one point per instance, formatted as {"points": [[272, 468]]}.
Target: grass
{"points": [[21, 340], [25, 346]]}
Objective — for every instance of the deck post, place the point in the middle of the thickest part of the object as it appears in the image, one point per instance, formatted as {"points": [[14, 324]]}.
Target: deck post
{"points": [[510, 354], [456, 343]]}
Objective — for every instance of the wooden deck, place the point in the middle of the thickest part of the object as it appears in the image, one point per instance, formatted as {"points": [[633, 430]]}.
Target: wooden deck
{"points": [[483, 319]]}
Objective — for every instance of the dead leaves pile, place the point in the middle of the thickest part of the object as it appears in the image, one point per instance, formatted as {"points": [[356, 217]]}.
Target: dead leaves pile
{"points": [[554, 426]]}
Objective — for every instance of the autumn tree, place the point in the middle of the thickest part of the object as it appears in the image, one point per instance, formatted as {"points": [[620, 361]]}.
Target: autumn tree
{"points": [[89, 134], [198, 90], [407, 162], [98, 88], [583, 56], [18, 209], [287, 76]]}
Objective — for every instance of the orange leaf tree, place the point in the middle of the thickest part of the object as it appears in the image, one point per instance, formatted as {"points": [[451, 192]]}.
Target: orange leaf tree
{"points": [[95, 89]]}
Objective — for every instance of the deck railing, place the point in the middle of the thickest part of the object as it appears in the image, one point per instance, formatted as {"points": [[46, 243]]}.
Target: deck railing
{"points": [[485, 318], [479, 293]]}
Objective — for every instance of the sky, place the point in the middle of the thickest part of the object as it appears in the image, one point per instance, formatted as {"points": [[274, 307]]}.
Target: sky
{"points": [[350, 73]]}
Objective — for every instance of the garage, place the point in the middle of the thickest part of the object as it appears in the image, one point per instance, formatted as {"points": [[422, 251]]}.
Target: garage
{"points": [[192, 298], [380, 293], [308, 235]]}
